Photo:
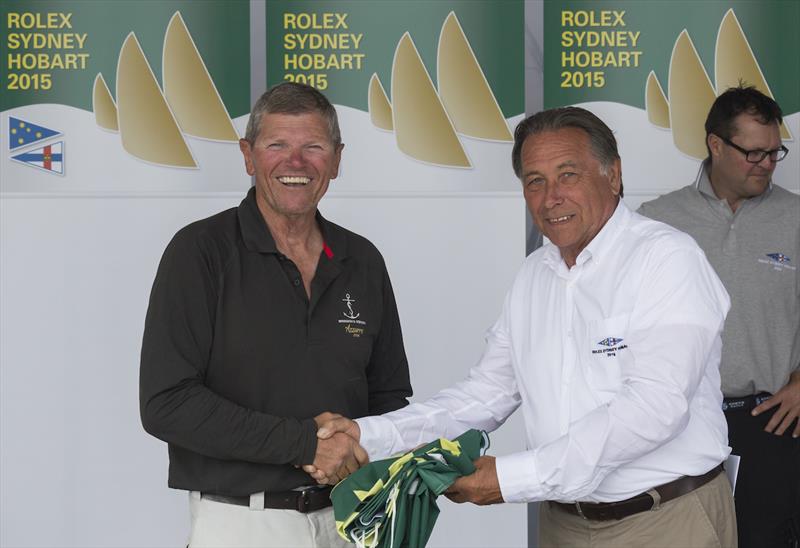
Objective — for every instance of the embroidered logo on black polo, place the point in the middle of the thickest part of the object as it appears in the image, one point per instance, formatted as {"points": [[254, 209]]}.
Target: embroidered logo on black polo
{"points": [[779, 261], [352, 324], [612, 346]]}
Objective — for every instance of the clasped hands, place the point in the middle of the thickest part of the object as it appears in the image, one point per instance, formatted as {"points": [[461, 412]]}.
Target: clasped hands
{"points": [[338, 451], [339, 455]]}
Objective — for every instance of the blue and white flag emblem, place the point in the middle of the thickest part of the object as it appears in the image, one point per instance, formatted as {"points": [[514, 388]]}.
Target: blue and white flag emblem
{"points": [[779, 258], [48, 158], [611, 341], [22, 133]]}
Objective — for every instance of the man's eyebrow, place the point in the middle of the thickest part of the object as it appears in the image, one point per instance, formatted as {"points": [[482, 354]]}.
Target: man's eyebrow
{"points": [[568, 163], [530, 173]]}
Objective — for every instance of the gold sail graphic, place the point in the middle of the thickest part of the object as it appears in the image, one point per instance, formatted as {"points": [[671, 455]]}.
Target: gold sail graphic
{"points": [[188, 87], [690, 97], [463, 87], [146, 124], [655, 103], [734, 61], [105, 111], [380, 111], [422, 127]]}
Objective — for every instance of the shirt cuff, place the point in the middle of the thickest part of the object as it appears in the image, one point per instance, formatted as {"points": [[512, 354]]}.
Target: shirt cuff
{"points": [[376, 436], [516, 474], [307, 442]]}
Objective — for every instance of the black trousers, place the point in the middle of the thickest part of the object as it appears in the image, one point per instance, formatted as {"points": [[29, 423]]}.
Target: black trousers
{"points": [[767, 492]]}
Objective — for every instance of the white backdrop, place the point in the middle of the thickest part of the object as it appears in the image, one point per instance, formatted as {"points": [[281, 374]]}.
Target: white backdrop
{"points": [[76, 468]]}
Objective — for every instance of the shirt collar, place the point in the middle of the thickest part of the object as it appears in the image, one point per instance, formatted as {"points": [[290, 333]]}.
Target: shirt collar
{"points": [[703, 184], [602, 241], [257, 237]]}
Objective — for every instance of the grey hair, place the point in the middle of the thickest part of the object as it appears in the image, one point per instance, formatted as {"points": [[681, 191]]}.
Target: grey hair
{"points": [[601, 138], [293, 98]]}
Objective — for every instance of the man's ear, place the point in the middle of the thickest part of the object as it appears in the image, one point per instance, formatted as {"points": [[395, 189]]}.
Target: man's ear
{"points": [[714, 144], [337, 160], [247, 152], [615, 176]]}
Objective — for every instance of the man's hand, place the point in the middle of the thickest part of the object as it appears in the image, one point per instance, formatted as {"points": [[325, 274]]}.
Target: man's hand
{"points": [[788, 398], [329, 424], [337, 457], [336, 433], [481, 487]]}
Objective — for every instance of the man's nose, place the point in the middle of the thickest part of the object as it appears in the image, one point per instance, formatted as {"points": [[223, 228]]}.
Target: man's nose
{"points": [[767, 163], [552, 194], [296, 156]]}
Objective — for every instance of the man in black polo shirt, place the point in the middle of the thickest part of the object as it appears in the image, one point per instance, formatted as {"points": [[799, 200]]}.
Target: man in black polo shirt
{"points": [[261, 318]]}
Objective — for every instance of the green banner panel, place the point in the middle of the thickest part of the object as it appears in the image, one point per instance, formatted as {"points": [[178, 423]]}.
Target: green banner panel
{"points": [[337, 46], [604, 50], [51, 51]]}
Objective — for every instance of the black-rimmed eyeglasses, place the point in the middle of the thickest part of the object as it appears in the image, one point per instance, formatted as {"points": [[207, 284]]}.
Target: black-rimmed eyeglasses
{"points": [[756, 156]]}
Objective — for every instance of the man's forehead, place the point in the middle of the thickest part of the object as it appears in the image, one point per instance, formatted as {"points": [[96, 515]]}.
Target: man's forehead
{"points": [[556, 147], [311, 122], [750, 123]]}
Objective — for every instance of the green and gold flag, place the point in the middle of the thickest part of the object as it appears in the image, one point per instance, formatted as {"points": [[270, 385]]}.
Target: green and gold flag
{"points": [[392, 502]]}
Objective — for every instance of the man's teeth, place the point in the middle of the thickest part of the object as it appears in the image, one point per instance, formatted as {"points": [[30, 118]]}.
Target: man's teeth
{"points": [[555, 220], [295, 180]]}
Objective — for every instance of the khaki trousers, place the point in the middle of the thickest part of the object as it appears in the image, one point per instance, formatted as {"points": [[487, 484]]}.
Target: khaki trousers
{"points": [[704, 518], [222, 525]]}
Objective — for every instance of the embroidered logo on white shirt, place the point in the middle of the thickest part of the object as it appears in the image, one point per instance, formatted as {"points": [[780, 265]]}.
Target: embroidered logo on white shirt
{"points": [[612, 346]]}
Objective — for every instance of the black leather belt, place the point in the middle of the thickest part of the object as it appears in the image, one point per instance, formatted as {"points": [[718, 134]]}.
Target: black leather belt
{"points": [[651, 500], [309, 499], [746, 403]]}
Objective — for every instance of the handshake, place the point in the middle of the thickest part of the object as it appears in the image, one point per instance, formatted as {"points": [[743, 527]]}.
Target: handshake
{"points": [[339, 454], [338, 451]]}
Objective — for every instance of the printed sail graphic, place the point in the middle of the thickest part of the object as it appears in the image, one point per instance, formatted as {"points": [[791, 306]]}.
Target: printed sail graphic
{"points": [[422, 127], [690, 97], [105, 110], [188, 87], [734, 61], [380, 111], [146, 124], [655, 103], [463, 88]]}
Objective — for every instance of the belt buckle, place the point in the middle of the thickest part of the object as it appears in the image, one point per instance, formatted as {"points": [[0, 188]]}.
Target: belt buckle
{"points": [[303, 500], [580, 510]]}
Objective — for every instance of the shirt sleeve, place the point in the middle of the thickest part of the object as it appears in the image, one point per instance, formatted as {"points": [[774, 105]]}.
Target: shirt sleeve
{"points": [[674, 328], [484, 400], [387, 371], [175, 404]]}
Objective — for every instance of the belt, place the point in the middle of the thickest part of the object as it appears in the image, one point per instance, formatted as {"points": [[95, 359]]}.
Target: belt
{"points": [[307, 500], [746, 403], [651, 500]]}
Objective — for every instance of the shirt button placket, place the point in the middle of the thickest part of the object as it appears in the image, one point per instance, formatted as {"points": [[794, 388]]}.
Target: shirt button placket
{"points": [[568, 355]]}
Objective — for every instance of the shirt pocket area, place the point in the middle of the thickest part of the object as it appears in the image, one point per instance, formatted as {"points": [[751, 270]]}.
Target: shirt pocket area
{"points": [[605, 355]]}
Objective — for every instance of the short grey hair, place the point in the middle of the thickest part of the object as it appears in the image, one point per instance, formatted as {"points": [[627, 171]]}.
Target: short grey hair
{"points": [[601, 138], [293, 98]]}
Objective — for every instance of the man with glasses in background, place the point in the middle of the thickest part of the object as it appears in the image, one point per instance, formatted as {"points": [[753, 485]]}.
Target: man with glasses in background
{"points": [[749, 229]]}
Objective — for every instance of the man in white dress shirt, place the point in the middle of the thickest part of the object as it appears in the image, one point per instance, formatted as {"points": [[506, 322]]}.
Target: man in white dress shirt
{"points": [[609, 341]]}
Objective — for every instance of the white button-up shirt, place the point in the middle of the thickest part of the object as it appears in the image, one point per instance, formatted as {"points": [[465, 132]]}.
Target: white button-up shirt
{"points": [[614, 362]]}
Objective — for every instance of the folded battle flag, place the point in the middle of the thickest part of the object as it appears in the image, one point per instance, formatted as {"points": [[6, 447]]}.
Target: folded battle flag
{"points": [[391, 503]]}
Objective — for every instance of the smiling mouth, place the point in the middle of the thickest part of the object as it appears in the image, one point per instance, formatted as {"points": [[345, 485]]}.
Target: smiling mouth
{"points": [[559, 220], [294, 180]]}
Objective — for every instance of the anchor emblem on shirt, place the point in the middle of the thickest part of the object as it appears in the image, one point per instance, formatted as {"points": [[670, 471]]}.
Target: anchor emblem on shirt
{"points": [[347, 300]]}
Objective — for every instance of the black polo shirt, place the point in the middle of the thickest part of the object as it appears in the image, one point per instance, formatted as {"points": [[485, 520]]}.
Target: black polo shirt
{"points": [[236, 360]]}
